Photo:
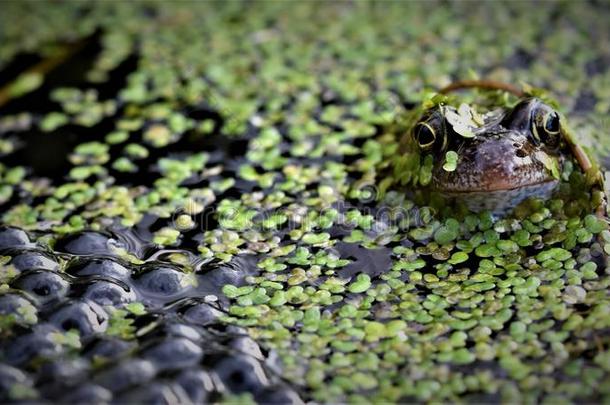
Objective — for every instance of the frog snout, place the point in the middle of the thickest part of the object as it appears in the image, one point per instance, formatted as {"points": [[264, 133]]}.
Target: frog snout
{"points": [[499, 162], [503, 156]]}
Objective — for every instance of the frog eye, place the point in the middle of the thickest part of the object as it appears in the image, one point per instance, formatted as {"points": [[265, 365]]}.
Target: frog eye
{"points": [[551, 123], [425, 135], [548, 128]]}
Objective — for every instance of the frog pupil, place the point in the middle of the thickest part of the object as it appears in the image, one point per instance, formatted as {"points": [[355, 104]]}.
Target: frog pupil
{"points": [[552, 123]]}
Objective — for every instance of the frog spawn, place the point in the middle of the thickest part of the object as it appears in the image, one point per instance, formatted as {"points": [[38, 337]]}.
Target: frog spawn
{"points": [[177, 341]]}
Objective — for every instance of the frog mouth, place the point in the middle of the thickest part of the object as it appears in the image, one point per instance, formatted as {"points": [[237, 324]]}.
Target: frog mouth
{"points": [[502, 201], [498, 186]]}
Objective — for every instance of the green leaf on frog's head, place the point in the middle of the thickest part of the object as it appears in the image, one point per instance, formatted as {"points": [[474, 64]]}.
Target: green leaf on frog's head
{"points": [[460, 125], [451, 159]]}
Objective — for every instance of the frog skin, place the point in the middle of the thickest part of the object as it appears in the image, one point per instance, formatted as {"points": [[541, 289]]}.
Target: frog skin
{"points": [[507, 155]]}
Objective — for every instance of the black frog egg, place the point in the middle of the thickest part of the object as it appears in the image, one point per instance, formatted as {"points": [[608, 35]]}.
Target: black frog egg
{"points": [[279, 395], [212, 279], [158, 393], [198, 384], [202, 314], [9, 377], [21, 308], [161, 281], [173, 353], [59, 375], [43, 285], [13, 238], [87, 243], [102, 267], [39, 344], [109, 348], [128, 373], [241, 373], [31, 260], [104, 292], [10, 303], [247, 345], [83, 315], [87, 394], [181, 330]]}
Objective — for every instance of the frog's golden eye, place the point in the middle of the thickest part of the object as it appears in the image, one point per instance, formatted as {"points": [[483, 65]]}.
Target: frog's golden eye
{"points": [[425, 135], [548, 128], [551, 123]]}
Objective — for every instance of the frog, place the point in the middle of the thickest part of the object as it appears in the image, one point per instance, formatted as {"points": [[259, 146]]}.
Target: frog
{"points": [[489, 157]]}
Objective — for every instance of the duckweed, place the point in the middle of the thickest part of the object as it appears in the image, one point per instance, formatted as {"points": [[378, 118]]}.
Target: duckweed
{"points": [[362, 283]]}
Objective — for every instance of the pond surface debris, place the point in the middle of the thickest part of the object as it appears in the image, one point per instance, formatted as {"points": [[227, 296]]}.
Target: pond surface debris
{"points": [[190, 209]]}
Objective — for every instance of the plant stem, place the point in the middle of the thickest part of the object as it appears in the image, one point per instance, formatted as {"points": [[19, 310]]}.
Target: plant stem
{"points": [[482, 84]]}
